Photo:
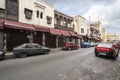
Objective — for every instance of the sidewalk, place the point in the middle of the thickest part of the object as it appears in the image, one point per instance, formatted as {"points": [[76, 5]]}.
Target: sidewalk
{"points": [[52, 50]]}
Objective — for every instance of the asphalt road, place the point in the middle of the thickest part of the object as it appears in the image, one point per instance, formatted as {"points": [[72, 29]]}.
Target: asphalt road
{"points": [[78, 64]]}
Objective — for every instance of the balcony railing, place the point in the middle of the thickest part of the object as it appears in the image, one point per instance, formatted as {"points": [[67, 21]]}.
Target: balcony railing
{"points": [[2, 14], [63, 27], [12, 17]]}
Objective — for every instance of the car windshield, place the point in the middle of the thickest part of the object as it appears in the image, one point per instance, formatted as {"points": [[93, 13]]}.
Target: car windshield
{"points": [[104, 45]]}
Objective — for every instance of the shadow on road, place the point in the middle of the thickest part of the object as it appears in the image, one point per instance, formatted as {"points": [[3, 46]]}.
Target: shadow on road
{"points": [[108, 57], [8, 57]]}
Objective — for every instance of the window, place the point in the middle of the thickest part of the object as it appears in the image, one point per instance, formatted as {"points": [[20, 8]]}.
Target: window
{"points": [[82, 30], [41, 15], [28, 13], [37, 46], [37, 14], [28, 46], [12, 7], [49, 19], [12, 10]]}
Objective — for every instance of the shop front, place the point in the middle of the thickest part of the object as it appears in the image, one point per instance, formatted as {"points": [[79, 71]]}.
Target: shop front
{"points": [[1, 34], [16, 33]]}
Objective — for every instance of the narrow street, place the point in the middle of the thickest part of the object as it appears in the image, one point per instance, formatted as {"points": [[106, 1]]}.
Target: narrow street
{"points": [[78, 64]]}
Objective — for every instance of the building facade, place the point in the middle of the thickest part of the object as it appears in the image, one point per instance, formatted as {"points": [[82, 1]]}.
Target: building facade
{"points": [[26, 22], [32, 21], [81, 28], [65, 23], [36, 12], [112, 37], [103, 36], [96, 31]]}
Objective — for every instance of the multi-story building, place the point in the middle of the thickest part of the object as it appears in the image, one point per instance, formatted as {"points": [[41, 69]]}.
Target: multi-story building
{"points": [[103, 36], [112, 37], [81, 28], [36, 12], [26, 21], [65, 24], [96, 31]]}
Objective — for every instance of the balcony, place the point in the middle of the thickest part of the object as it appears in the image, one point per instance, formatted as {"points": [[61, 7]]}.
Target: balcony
{"points": [[2, 13], [63, 28], [9, 16], [12, 17]]}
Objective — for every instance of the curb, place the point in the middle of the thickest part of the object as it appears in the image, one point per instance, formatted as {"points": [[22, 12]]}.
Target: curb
{"points": [[52, 50]]}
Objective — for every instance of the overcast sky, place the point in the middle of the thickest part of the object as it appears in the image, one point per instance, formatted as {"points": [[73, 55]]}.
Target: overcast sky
{"points": [[107, 11]]}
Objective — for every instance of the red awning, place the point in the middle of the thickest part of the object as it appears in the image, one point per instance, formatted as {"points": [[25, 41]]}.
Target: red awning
{"points": [[18, 25], [65, 33], [89, 37], [55, 32], [41, 28], [73, 34], [79, 36], [1, 24]]}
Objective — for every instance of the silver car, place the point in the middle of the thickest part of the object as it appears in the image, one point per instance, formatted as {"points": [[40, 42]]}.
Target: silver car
{"points": [[28, 49]]}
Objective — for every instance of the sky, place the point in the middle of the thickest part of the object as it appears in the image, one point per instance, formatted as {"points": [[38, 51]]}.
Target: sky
{"points": [[106, 11]]}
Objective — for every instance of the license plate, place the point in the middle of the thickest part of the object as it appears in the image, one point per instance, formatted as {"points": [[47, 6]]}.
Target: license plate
{"points": [[103, 54]]}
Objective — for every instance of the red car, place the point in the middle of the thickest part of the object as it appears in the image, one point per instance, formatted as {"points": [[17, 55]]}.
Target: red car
{"points": [[69, 46], [106, 49]]}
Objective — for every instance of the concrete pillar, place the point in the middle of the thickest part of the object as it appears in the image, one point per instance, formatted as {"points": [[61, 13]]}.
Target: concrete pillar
{"points": [[5, 42], [43, 39], [31, 37], [78, 41], [56, 41]]}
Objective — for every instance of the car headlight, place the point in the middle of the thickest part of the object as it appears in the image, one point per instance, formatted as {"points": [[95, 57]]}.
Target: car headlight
{"points": [[1, 52]]}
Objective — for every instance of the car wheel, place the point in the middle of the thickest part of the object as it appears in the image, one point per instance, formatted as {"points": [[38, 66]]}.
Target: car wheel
{"points": [[77, 48], [96, 54], [69, 49], [46, 52], [114, 57], [23, 55]]}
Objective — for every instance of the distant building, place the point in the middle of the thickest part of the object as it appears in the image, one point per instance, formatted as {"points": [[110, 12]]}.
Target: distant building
{"points": [[81, 28], [96, 31], [112, 37], [103, 36], [64, 23]]}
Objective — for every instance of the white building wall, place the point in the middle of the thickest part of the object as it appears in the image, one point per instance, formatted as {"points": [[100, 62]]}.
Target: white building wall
{"points": [[2, 4], [36, 5], [80, 22]]}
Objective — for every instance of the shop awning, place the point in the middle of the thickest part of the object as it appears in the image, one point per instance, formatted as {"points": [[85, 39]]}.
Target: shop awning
{"points": [[65, 33], [89, 37], [55, 32], [18, 25], [79, 36], [73, 34], [1, 24], [41, 28]]}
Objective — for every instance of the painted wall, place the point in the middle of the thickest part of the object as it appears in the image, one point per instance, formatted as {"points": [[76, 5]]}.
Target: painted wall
{"points": [[80, 22], [36, 5], [2, 4]]}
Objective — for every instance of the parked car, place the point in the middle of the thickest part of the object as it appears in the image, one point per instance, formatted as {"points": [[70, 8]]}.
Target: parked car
{"points": [[85, 44], [106, 49], [69, 46], [2, 55], [30, 48], [92, 44], [118, 44]]}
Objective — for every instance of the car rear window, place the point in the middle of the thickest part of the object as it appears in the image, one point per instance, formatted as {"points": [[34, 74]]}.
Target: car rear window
{"points": [[105, 45]]}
